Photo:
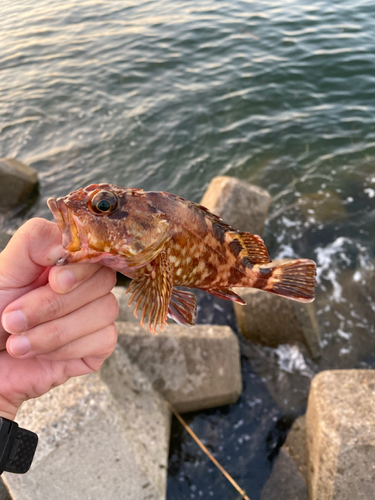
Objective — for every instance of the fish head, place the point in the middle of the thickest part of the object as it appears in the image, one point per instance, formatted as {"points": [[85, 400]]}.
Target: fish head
{"points": [[103, 222]]}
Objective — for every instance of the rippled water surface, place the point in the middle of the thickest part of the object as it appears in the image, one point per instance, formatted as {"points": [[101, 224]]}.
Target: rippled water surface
{"points": [[164, 95]]}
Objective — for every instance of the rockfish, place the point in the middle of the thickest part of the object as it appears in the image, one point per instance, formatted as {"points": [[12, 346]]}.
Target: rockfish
{"points": [[161, 241]]}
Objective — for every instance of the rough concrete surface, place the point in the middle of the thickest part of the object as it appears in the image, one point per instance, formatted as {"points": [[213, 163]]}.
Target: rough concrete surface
{"points": [[295, 445], [239, 204], [285, 482], [126, 313], [193, 368], [4, 494], [96, 443], [17, 180], [288, 477], [107, 435], [271, 320], [340, 430]]}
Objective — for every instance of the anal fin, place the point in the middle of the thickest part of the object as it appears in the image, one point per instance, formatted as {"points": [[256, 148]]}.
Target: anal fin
{"points": [[183, 308], [151, 290], [226, 294]]}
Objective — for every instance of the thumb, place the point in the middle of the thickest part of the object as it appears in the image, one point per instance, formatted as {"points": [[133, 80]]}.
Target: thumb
{"points": [[35, 246]]}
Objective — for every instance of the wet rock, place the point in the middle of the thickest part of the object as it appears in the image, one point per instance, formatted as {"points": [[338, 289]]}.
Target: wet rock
{"points": [[288, 477], [271, 320], [17, 181], [340, 423], [96, 440], [239, 204], [4, 240], [193, 368]]}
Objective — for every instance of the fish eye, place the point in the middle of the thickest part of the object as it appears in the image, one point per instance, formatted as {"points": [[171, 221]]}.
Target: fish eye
{"points": [[104, 203]]}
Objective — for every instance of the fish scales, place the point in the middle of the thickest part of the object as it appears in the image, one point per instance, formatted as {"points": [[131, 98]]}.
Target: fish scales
{"points": [[161, 241], [206, 262]]}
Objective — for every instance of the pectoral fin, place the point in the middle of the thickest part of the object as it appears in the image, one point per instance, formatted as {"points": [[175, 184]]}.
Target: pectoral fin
{"points": [[183, 308], [151, 290]]}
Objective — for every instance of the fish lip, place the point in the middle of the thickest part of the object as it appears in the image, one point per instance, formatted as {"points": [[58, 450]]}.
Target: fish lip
{"points": [[66, 224]]}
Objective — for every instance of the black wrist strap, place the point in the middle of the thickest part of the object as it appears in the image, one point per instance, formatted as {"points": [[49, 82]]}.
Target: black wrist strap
{"points": [[17, 447]]}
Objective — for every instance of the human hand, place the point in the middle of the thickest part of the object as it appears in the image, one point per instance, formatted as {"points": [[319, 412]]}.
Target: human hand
{"points": [[56, 322]]}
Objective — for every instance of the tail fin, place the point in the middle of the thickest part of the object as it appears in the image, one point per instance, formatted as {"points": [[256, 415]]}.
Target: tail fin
{"points": [[294, 280]]}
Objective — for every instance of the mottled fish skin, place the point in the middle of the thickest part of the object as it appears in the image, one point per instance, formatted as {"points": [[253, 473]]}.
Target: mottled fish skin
{"points": [[161, 240], [202, 254]]}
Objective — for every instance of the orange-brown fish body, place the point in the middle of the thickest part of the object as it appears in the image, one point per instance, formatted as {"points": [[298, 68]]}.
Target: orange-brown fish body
{"points": [[161, 241]]}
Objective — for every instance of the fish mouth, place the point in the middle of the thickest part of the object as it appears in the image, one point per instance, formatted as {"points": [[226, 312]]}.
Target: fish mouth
{"points": [[65, 221]]}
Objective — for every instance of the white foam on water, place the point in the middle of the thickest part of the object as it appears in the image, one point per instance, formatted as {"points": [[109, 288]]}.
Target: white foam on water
{"points": [[326, 268], [291, 359]]}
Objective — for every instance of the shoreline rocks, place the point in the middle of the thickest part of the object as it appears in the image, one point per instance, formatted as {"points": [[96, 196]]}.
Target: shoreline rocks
{"points": [[17, 182], [118, 419], [329, 453], [270, 320], [193, 368], [94, 428], [288, 477], [340, 432], [240, 204]]}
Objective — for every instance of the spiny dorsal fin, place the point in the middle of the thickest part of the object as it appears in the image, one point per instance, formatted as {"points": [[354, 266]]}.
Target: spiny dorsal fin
{"points": [[248, 247]]}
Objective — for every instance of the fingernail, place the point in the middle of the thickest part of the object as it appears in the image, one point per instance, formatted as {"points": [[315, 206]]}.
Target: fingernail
{"points": [[19, 345], [14, 322], [65, 280]]}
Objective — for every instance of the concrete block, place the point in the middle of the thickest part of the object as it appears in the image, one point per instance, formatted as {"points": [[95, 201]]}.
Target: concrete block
{"points": [[340, 430], [97, 443], [288, 477], [272, 320], [126, 313], [239, 204], [285, 482], [193, 368], [17, 181], [4, 494]]}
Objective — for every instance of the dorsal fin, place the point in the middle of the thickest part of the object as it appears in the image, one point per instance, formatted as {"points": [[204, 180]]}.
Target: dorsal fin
{"points": [[248, 247], [215, 219]]}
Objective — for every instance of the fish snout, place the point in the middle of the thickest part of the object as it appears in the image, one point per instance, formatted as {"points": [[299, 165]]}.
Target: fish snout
{"points": [[65, 221]]}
